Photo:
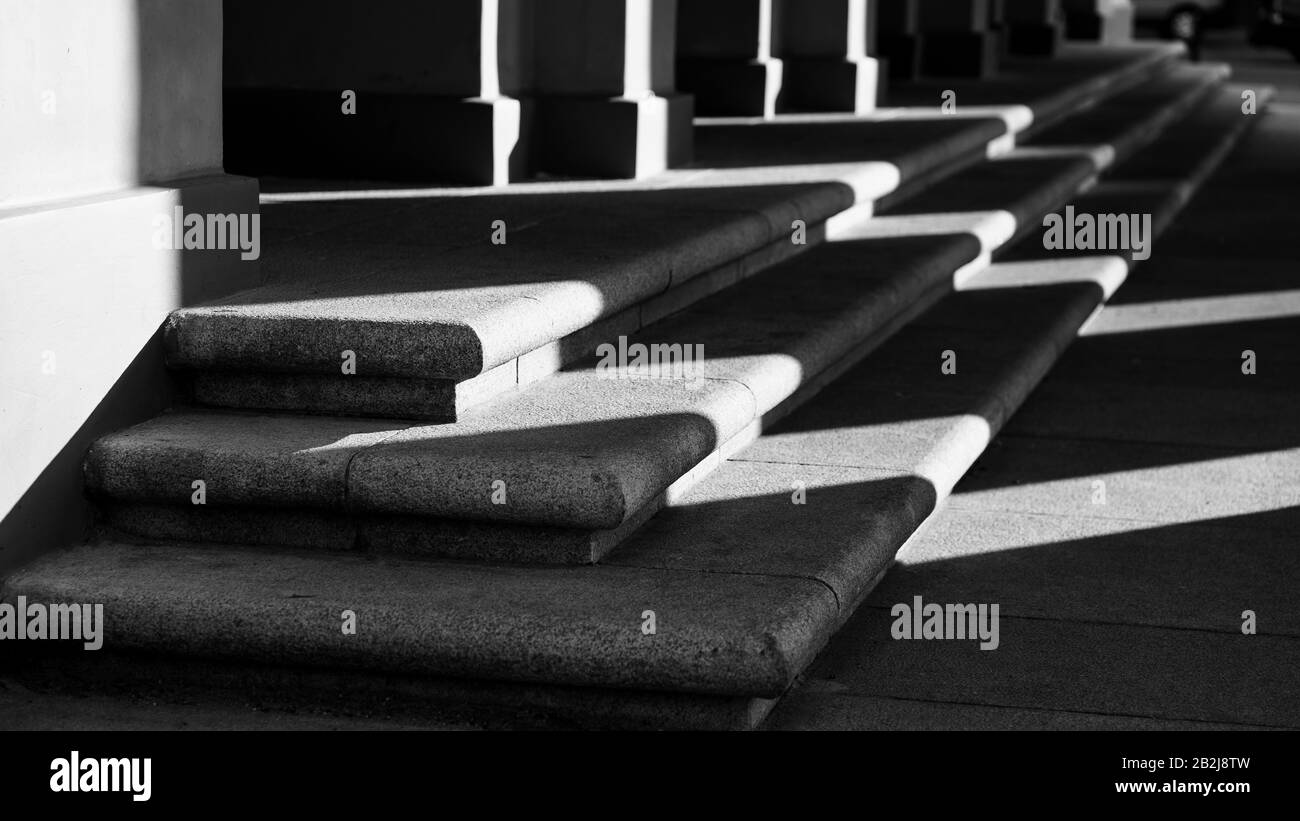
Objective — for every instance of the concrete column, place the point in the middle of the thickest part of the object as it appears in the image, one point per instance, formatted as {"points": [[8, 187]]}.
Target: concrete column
{"points": [[725, 55], [110, 124], [958, 42], [607, 101], [382, 89], [824, 47], [1032, 27], [1109, 22], [898, 40]]}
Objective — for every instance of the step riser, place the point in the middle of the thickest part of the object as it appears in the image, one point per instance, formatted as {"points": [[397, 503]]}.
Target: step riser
{"points": [[411, 699]]}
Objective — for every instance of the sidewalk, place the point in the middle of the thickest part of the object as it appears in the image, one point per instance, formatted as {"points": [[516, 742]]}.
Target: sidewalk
{"points": [[1145, 496]]}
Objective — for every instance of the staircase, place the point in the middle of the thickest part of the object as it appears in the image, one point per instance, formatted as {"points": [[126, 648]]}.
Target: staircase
{"points": [[527, 538]]}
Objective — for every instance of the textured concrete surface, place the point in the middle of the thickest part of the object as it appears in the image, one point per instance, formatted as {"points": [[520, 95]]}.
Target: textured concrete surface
{"points": [[577, 450], [840, 526], [1129, 514], [240, 458], [733, 634]]}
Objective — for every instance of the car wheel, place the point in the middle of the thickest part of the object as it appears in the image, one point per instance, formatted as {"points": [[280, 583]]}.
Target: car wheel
{"points": [[1184, 24]]}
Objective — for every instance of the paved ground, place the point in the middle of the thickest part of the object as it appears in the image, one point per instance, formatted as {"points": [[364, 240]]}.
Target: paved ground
{"points": [[1146, 495]]}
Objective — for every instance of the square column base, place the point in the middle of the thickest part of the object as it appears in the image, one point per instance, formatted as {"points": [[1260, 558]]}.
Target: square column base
{"points": [[830, 85], [959, 54], [614, 137], [726, 88], [300, 133]]}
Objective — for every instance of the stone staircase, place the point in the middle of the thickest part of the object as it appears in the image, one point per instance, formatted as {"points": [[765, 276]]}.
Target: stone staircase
{"points": [[527, 537]]}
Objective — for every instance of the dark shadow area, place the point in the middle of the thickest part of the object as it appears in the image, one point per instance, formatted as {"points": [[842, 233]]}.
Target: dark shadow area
{"points": [[912, 145]]}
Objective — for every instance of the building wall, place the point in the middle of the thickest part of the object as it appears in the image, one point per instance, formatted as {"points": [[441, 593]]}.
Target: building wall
{"points": [[111, 113]]}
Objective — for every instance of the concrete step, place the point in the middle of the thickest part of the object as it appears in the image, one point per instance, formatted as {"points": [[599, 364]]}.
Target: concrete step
{"points": [[441, 321], [745, 578], [745, 585], [559, 472], [564, 471]]}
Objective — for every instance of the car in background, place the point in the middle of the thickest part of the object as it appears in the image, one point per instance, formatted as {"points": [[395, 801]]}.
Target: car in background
{"points": [[1179, 19], [1277, 23]]}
